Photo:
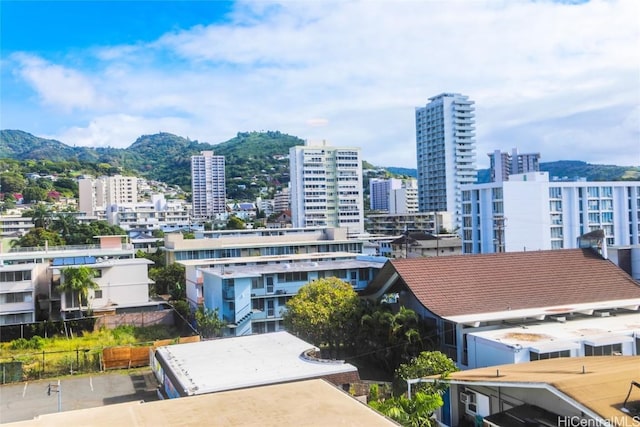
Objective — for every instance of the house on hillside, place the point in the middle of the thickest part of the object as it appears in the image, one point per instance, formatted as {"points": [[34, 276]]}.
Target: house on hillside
{"points": [[586, 391], [514, 307], [419, 244]]}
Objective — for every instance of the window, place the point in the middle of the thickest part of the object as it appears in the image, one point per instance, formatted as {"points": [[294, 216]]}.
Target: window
{"points": [[449, 333], [256, 283], [603, 350], [97, 294], [550, 355]]}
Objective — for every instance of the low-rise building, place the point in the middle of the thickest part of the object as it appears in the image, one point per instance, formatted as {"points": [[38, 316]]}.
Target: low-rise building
{"points": [[477, 302], [394, 224], [242, 362], [582, 391]]}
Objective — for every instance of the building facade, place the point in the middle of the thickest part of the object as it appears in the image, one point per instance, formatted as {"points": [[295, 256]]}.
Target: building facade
{"points": [[404, 199], [379, 192], [394, 224], [504, 164], [96, 196], [208, 185], [446, 158], [326, 187], [529, 212]]}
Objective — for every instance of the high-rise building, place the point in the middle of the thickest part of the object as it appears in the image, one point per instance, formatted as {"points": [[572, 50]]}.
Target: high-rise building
{"points": [[505, 164], [208, 186], [530, 212], [326, 186], [446, 159], [405, 198], [379, 190], [96, 196]]}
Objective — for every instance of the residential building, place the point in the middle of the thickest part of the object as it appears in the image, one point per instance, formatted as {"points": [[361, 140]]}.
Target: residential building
{"points": [[528, 212], [502, 165], [445, 136], [394, 224], [275, 405], [490, 309], [241, 362], [404, 200], [418, 244], [260, 242], [380, 192], [155, 214], [15, 225], [208, 186], [251, 298], [582, 391], [96, 196], [32, 276], [326, 186], [282, 201]]}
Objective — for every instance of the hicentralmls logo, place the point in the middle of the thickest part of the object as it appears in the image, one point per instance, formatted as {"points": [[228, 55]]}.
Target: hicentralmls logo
{"points": [[576, 421]]}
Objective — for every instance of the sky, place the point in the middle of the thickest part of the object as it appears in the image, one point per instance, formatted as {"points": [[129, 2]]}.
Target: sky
{"points": [[559, 78]]}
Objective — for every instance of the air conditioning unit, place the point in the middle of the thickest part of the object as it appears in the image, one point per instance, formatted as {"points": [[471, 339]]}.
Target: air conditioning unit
{"points": [[464, 397]]}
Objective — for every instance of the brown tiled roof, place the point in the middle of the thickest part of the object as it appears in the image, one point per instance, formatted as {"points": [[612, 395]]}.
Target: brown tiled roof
{"points": [[486, 283]]}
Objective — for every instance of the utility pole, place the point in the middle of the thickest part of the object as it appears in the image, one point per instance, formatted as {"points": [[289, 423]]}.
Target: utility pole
{"points": [[499, 224]]}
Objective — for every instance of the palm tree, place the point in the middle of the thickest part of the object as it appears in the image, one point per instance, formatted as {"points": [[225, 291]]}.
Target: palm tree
{"points": [[78, 280], [41, 215], [64, 224]]}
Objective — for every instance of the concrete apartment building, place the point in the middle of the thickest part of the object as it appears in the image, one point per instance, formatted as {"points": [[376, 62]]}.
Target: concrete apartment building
{"points": [[404, 200], [380, 191], [502, 165], [446, 157], [96, 196], [29, 278], [326, 186], [156, 214], [529, 212], [394, 224], [208, 185]]}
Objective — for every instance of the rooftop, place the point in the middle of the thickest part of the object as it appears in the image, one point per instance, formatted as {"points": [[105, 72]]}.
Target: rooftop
{"points": [[305, 403], [599, 384], [247, 361], [512, 284]]}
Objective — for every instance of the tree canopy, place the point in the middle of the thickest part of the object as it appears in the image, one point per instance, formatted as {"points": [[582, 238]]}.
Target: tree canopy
{"points": [[78, 280], [324, 312]]}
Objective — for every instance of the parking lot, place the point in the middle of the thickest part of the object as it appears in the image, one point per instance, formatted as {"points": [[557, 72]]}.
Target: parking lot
{"points": [[26, 400]]}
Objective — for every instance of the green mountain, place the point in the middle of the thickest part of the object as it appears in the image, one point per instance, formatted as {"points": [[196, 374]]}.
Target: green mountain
{"points": [[254, 160]]}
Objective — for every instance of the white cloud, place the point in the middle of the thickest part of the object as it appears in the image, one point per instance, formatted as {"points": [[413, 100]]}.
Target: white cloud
{"points": [[352, 73]]}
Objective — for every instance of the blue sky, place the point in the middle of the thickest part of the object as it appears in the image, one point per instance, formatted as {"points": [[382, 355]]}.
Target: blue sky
{"points": [[559, 78]]}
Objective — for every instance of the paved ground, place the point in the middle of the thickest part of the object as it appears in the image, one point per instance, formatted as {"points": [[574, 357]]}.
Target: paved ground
{"points": [[24, 401]]}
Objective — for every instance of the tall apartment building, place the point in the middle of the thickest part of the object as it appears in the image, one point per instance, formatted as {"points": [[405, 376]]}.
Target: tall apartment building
{"points": [[531, 213], [281, 200], [208, 186], [446, 160], [326, 187], [404, 199], [97, 195], [504, 164], [379, 191]]}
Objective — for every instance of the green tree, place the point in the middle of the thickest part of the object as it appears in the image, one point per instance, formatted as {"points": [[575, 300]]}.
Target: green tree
{"points": [[414, 412], [34, 193], [12, 182], [235, 223], [40, 214], [78, 281], [38, 237], [209, 322], [65, 224], [428, 363], [325, 313], [169, 280], [390, 338]]}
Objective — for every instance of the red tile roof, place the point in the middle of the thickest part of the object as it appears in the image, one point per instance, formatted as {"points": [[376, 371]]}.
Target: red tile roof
{"points": [[486, 283]]}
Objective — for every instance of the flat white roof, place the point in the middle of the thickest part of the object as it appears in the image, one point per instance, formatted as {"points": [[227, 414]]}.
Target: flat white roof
{"points": [[257, 270], [247, 361], [550, 335]]}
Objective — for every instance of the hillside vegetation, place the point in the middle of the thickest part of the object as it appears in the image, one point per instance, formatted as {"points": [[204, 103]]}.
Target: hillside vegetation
{"points": [[254, 160]]}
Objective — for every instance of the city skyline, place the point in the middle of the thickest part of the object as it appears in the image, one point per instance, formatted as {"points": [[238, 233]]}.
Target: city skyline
{"points": [[559, 78]]}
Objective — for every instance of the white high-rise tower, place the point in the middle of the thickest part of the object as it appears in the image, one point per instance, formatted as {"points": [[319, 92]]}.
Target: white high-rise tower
{"points": [[446, 158], [326, 187], [208, 187]]}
